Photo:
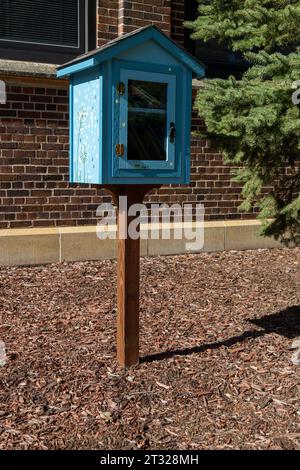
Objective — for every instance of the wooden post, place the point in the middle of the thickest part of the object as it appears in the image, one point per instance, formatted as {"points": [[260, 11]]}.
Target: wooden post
{"points": [[128, 276], [128, 288]]}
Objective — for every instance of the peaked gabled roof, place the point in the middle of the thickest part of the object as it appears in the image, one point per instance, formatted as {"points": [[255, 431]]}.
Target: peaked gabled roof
{"points": [[128, 41]]}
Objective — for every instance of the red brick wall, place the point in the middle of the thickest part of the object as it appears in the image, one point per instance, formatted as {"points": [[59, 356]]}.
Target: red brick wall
{"points": [[34, 188], [137, 13], [107, 21], [177, 19]]}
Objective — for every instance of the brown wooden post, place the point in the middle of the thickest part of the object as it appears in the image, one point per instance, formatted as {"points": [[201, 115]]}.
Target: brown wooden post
{"points": [[128, 276]]}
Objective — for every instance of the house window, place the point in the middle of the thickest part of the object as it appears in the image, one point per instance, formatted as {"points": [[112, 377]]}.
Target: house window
{"points": [[220, 61], [51, 31]]}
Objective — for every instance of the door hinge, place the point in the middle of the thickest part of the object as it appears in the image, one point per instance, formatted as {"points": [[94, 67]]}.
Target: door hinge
{"points": [[121, 88], [120, 150]]}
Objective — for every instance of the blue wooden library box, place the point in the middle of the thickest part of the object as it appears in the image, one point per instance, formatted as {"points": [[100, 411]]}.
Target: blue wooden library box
{"points": [[130, 111]]}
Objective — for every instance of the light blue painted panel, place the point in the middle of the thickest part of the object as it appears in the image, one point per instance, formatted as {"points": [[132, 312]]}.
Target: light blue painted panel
{"points": [[86, 127], [150, 52], [86, 64]]}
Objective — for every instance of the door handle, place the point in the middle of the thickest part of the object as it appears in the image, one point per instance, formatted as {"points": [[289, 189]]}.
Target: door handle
{"points": [[172, 133]]}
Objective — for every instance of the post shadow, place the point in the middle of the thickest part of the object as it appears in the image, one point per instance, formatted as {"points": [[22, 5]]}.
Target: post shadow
{"points": [[285, 323]]}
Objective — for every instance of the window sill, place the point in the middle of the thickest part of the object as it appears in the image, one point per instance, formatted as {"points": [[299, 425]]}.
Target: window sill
{"points": [[27, 69], [198, 84]]}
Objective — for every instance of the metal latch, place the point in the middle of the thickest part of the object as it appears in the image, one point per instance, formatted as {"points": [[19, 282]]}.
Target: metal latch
{"points": [[172, 133], [120, 150]]}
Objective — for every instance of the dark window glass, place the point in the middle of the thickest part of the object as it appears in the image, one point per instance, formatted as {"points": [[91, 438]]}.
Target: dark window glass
{"points": [[147, 120], [25, 21], [52, 31]]}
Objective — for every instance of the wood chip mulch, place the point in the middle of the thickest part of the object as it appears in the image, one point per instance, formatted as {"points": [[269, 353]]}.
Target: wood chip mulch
{"points": [[216, 370]]}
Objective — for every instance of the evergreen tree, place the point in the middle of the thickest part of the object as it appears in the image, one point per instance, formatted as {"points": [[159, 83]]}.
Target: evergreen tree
{"points": [[253, 120]]}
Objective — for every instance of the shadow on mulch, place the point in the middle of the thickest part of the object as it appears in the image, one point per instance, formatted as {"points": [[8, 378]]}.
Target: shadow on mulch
{"points": [[285, 323]]}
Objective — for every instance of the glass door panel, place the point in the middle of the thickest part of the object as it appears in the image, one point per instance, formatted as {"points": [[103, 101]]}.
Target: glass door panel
{"points": [[147, 112], [147, 120], [147, 95]]}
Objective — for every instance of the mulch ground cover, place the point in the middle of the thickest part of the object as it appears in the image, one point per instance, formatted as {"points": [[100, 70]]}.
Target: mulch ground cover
{"points": [[215, 373]]}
